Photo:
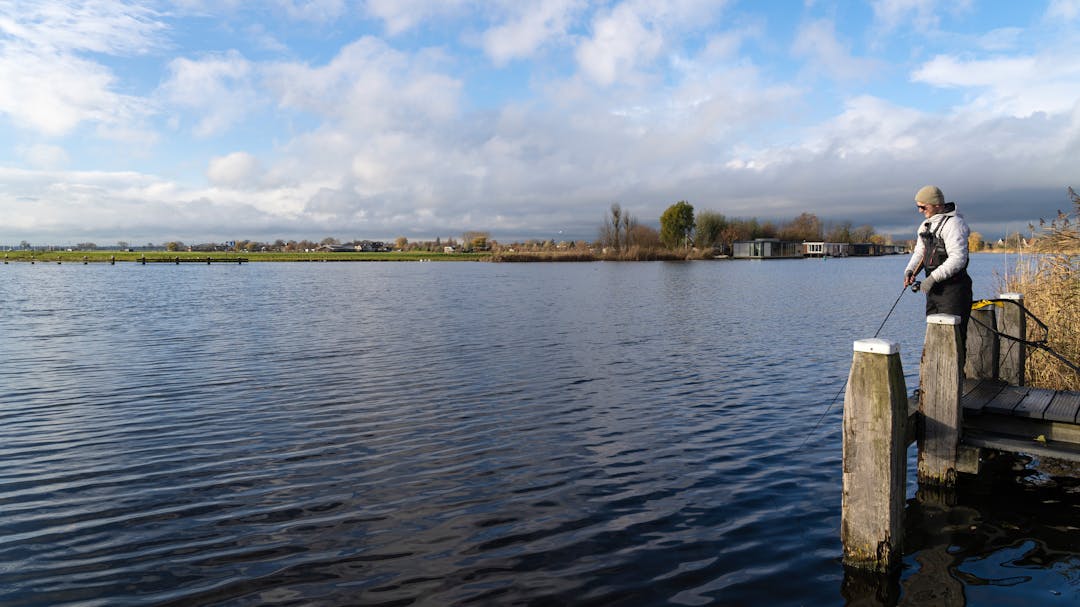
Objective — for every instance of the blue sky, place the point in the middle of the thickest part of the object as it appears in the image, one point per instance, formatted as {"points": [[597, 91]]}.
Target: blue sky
{"points": [[203, 120]]}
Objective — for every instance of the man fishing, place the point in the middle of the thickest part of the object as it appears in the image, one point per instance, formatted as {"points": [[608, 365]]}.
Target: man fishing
{"points": [[941, 250]]}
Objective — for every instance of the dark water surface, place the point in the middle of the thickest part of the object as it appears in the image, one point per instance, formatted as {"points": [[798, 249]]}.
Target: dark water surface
{"points": [[472, 433]]}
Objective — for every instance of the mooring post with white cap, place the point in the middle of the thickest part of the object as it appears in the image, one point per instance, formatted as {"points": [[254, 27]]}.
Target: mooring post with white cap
{"points": [[1013, 354], [875, 457], [940, 381]]}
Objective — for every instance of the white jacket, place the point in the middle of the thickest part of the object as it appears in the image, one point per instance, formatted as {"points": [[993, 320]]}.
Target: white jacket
{"points": [[955, 233]]}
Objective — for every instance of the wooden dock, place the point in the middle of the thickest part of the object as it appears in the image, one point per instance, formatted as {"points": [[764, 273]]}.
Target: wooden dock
{"points": [[964, 405], [1021, 419]]}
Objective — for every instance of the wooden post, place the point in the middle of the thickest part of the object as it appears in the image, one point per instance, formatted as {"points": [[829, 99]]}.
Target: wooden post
{"points": [[1013, 354], [982, 345], [939, 401], [875, 457]]}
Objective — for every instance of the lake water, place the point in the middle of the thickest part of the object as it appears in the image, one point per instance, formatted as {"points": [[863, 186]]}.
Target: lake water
{"points": [[473, 433]]}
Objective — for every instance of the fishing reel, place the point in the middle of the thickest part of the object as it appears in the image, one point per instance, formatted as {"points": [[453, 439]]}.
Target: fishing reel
{"points": [[915, 286]]}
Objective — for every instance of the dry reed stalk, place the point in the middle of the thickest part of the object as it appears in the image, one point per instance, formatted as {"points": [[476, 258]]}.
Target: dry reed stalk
{"points": [[1049, 278]]}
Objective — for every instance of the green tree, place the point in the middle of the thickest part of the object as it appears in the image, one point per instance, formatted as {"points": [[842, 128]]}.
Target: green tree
{"points": [[709, 229], [677, 225]]}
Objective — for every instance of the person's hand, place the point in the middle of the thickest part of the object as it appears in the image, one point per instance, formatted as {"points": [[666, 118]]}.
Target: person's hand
{"points": [[909, 277], [927, 284]]}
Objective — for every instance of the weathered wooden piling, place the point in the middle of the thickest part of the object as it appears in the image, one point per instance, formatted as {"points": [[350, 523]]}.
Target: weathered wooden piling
{"points": [[940, 382], [1013, 354], [982, 344], [1001, 417], [874, 461]]}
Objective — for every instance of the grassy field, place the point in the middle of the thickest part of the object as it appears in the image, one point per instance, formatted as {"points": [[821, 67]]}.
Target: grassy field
{"points": [[184, 256]]}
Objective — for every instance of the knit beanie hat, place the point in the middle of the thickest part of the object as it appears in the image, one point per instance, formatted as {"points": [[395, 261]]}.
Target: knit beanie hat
{"points": [[930, 195]]}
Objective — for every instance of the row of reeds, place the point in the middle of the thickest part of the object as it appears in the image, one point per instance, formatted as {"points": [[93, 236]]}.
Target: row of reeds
{"points": [[1048, 275]]}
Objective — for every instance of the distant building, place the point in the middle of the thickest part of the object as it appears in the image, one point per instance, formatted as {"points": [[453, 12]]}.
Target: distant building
{"points": [[336, 248], [765, 248], [825, 249]]}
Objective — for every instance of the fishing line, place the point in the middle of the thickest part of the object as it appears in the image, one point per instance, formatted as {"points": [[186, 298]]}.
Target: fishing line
{"points": [[841, 391]]}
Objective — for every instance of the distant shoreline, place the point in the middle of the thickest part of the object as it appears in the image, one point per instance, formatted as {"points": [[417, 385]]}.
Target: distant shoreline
{"points": [[106, 256], [187, 257]]}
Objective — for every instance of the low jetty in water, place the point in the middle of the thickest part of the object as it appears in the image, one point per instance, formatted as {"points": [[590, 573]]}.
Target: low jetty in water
{"points": [[961, 409]]}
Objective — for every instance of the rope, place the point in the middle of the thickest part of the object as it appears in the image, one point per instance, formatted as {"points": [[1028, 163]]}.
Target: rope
{"points": [[1039, 344]]}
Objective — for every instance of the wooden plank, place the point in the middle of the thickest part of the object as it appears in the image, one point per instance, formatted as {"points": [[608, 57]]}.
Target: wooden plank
{"points": [[1063, 408], [1034, 404], [1006, 400], [983, 393], [969, 385], [1023, 427], [1019, 445]]}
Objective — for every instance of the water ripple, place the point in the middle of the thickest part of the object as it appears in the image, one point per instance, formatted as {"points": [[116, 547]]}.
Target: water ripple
{"points": [[366, 434]]}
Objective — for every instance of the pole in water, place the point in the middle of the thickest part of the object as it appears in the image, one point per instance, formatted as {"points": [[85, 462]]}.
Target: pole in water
{"points": [[844, 385]]}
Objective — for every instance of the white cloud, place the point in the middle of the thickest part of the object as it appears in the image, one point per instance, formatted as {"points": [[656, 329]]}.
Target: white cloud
{"points": [[313, 10], [236, 169], [402, 15], [75, 91], [380, 139], [532, 26], [101, 26], [1001, 39], [218, 88], [627, 40], [622, 42], [368, 87], [1063, 10], [47, 86], [1015, 86], [817, 40], [43, 156], [922, 14]]}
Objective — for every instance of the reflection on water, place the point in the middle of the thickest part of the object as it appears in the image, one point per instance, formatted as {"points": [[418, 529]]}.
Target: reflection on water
{"points": [[1007, 537], [469, 434]]}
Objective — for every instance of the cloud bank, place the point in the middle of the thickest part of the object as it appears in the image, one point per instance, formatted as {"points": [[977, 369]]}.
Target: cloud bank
{"points": [[215, 121]]}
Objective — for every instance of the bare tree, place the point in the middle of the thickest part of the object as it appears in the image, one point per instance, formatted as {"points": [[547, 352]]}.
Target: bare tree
{"points": [[617, 229]]}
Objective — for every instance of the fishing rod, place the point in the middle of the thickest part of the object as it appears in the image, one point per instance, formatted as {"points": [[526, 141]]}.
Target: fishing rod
{"points": [[914, 289]]}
